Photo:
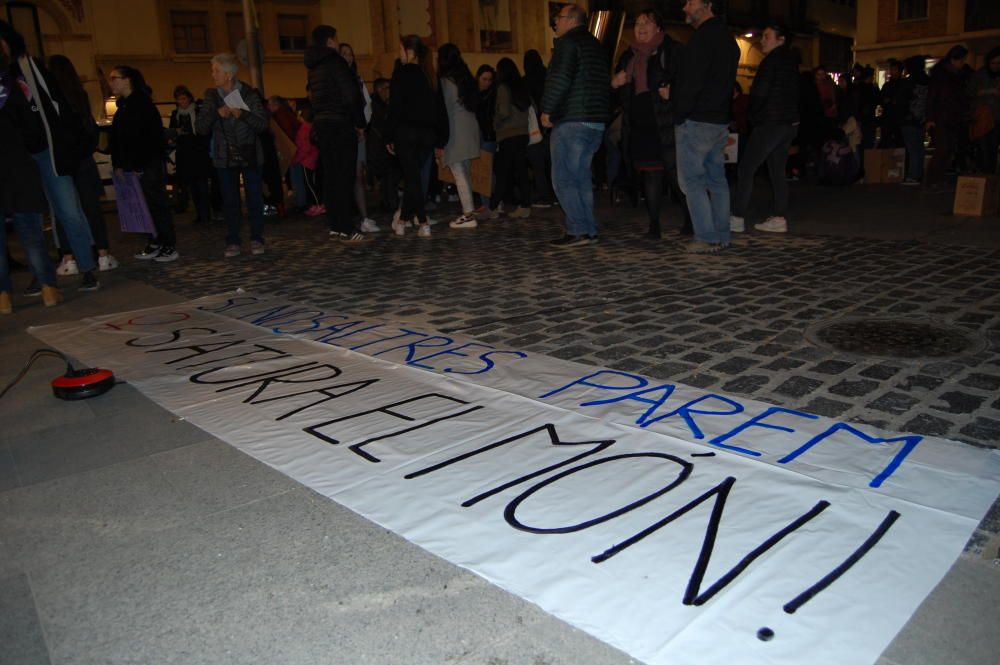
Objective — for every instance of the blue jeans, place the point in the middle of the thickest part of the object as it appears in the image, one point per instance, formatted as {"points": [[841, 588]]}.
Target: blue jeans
{"points": [[28, 226], [229, 183], [65, 202], [573, 148], [701, 172]]}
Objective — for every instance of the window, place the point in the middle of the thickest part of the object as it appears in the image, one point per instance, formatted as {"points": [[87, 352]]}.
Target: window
{"points": [[235, 30], [909, 10], [190, 31], [24, 18], [982, 15], [292, 31]]}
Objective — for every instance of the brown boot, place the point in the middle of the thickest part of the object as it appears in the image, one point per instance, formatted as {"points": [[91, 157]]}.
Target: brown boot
{"points": [[5, 306], [50, 295]]}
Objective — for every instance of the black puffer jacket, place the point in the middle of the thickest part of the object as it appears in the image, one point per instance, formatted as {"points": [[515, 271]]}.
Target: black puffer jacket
{"points": [[661, 69], [333, 88], [578, 82], [774, 97]]}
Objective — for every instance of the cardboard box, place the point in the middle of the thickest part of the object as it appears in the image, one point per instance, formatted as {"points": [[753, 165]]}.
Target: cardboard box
{"points": [[884, 166], [977, 195], [482, 173]]}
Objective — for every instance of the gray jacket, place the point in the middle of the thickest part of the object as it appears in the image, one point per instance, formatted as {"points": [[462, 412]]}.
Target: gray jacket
{"points": [[240, 131]]}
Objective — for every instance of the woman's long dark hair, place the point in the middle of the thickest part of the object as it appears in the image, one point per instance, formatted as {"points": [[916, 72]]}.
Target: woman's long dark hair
{"points": [[534, 75], [354, 58], [68, 81], [509, 75], [451, 66], [415, 44], [136, 79]]}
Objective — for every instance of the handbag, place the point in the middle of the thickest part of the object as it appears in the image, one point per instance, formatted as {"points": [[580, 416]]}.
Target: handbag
{"points": [[534, 131]]}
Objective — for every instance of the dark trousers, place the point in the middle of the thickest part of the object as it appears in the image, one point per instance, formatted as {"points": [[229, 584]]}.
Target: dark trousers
{"points": [[194, 183], [413, 149], [945, 145], [229, 183], [338, 150], [913, 139], [767, 143], [153, 181], [510, 164], [538, 157]]}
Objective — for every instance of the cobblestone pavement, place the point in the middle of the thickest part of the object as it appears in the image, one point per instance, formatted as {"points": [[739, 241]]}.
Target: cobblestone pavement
{"points": [[735, 322]]}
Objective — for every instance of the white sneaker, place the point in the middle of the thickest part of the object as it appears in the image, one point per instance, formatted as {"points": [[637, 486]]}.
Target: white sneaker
{"points": [[106, 262], [424, 231], [773, 225], [736, 224], [398, 226], [466, 221], [369, 226], [430, 221], [68, 267]]}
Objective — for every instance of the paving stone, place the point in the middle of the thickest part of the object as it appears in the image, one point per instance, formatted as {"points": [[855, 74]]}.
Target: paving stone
{"points": [[697, 357], [919, 383], [571, 352], [726, 347], [734, 365], [783, 364], [989, 382], [983, 429], [631, 365], [823, 406], [699, 380], [958, 402], [895, 403], [928, 425], [616, 353], [772, 350], [879, 372], [854, 388], [747, 384], [832, 367], [941, 369], [798, 386], [667, 370]]}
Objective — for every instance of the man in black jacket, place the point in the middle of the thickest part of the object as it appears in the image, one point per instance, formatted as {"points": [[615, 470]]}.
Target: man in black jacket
{"points": [[702, 97], [339, 122], [774, 115]]}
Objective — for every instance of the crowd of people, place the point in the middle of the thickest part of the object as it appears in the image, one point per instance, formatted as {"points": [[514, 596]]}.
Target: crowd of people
{"points": [[666, 110]]}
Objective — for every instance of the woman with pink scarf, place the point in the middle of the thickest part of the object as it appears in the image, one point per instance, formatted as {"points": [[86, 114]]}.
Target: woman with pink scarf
{"points": [[643, 78]]}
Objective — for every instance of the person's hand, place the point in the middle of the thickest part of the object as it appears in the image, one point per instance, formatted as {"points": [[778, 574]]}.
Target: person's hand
{"points": [[664, 91], [545, 120], [391, 147], [225, 111], [236, 113], [619, 79]]}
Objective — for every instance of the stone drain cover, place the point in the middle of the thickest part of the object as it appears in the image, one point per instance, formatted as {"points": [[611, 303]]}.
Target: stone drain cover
{"points": [[894, 338]]}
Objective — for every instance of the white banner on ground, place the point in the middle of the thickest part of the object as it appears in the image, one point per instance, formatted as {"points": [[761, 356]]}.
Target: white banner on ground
{"points": [[682, 526]]}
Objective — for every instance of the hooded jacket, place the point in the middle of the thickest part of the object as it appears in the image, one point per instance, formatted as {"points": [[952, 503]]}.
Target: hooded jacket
{"points": [[333, 88], [774, 97]]}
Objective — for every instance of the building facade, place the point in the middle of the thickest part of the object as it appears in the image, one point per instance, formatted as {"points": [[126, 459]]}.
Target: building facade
{"points": [[902, 28]]}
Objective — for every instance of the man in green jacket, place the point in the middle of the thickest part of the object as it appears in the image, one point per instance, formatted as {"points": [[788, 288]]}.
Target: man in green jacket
{"points": [[575, 104]]}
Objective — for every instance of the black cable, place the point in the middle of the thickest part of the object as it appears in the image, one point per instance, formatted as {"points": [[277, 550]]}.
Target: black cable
{"points": [[38, 353]]}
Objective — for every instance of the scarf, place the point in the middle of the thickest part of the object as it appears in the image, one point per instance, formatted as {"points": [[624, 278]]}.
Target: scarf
{"points": [[187, 115], [641, 53]]}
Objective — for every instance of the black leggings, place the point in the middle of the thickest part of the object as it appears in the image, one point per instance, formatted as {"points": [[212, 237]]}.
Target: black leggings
{"points": [[413, 148]]}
